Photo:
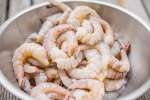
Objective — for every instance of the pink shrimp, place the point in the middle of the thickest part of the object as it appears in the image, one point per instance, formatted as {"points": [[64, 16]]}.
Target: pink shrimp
{"points": [[56, 54], [25, 51], [122, 65], [47, 87], [92, 69], [95, 87], [108, 33]]}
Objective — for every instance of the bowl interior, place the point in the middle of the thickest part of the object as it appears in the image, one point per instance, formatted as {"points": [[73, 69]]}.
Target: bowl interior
{"points": [[122, 23]]}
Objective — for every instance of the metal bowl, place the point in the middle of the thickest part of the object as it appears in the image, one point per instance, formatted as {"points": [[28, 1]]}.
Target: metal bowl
{"points": [[14, 31]]}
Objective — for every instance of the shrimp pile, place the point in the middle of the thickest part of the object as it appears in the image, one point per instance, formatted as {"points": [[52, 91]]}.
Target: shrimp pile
{"points": [[75, 56]]}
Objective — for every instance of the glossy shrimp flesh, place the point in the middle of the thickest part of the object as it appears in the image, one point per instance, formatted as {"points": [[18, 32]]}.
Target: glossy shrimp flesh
{"points": [[47, 87], [92, 69], [57, 55], [79, 14], [24, 52], [95, 88], [108, 33], [93, 37]]}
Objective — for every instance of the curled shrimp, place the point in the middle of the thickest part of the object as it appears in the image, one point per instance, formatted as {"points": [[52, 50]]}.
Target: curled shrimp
{"points": [[56, 19], [108, 33], [25, 51], [114, 75], [71, 43], [92, 69], [79, 14], [57, 55], [95, 87], [47, 87], [112, 85], [122, 65], [93, 37]]}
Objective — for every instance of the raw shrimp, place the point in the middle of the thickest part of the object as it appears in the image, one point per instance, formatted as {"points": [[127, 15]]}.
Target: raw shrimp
{"points": [[41, 77], [108, 33], [113, 74], [112, 85], [92, 69], [56, 54], [67, 81], [31, 69], [122, 65], [51, 74], [93, 37], [56, 19], [95, 87], [79, 14], [25, 51], [104, 49], [71, 43], [47, 87]]}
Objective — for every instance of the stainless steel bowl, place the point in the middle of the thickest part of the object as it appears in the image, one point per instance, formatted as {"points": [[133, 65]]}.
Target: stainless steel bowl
{"points": [[15, 30]]}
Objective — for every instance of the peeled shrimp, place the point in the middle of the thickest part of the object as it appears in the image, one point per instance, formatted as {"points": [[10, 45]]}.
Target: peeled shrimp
{"points": [[95, 87], [112, 85], [70, 44], [123, 65], [79, 14], [25, 51], [113, 74], [93, 37], [56, 54], [92, 69], [55, 19], [45, 88]]}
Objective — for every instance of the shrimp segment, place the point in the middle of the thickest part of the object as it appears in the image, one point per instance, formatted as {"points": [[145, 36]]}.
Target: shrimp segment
{"points": [[123, 65], [25, 51], [95, 87], [79, 14], [108, 34], [112, 85], [113, 74], [44, 88]]}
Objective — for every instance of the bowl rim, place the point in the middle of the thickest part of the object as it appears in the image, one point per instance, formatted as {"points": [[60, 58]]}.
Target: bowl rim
{"points": [[6, 84]]}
